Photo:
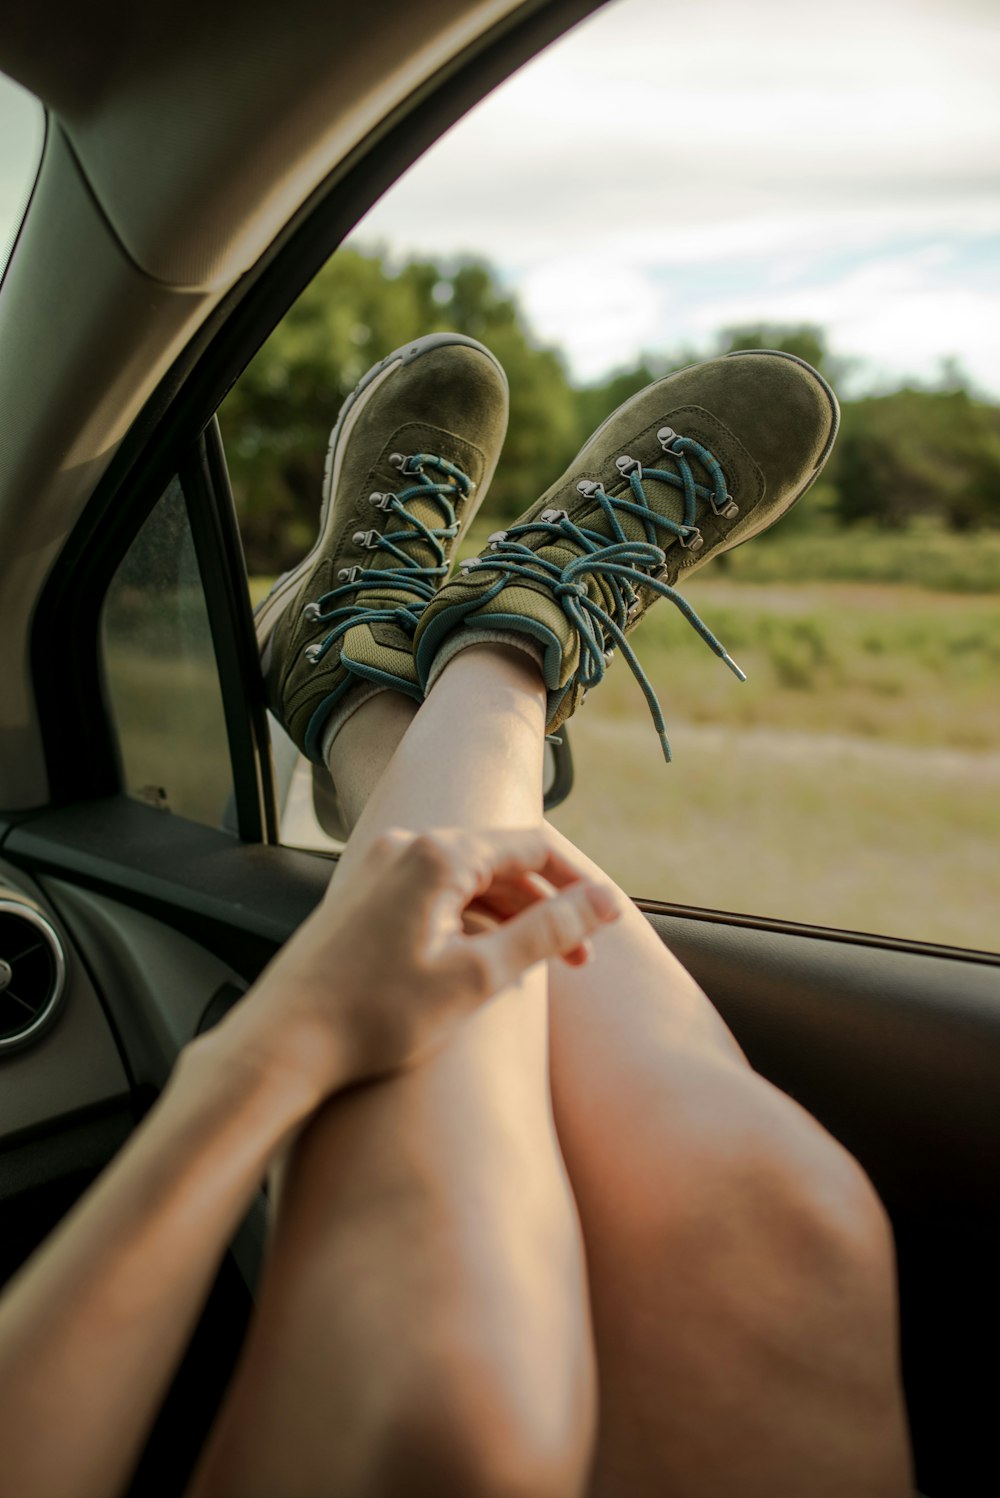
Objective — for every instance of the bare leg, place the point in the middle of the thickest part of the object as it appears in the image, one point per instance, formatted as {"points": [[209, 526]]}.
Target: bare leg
{"points": [[741, 1269], [422, 1325]]}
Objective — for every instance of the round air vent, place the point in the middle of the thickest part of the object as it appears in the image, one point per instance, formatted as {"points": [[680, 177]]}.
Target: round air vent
{"points": [[32, 973]]}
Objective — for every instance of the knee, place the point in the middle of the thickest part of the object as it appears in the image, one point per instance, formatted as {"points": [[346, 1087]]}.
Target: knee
{"points": [[822, 1209], [761, 1202], [462, 1432]]}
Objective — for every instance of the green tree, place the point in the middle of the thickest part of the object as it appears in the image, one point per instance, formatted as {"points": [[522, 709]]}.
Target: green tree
{"points": [[919, 452], [595, 402], [804, 340]]}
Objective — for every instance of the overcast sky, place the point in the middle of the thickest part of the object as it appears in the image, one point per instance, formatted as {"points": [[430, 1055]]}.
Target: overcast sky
{"points": [[671, 168]]}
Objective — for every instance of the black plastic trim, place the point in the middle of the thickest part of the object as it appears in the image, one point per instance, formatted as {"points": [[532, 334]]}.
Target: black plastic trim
{"points": [[239, 900], [562, 756], [205, 481], [44, 1171], [816, 933], [85, 764], [226, 996], [83, 1141]]}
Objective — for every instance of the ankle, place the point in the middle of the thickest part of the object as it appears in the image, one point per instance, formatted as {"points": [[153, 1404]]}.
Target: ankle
{"points": [[516, 656], [357, 751], [493, 663]]}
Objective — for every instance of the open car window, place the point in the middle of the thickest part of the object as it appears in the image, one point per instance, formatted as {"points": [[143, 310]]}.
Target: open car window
{"points": [[786, 191]]}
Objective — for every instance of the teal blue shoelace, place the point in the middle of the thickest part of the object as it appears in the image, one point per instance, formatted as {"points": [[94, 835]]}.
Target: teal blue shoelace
{"points": [[412, 577], [624, 566]]}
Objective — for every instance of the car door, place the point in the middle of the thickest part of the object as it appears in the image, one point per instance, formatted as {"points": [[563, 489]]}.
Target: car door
{"points": [[154, 859]]}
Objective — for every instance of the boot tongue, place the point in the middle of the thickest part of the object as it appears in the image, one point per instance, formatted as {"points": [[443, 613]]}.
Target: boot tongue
{"points": [[598, 583], [431, 510], [418, 551], [663, 498]]}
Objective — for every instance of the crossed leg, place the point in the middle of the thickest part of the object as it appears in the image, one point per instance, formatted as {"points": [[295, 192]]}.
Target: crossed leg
{"points": [[741, 1268], [423, 1323]]}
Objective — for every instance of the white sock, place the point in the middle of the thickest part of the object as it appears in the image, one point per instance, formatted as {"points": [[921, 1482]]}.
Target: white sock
{"points": [[353, 698], [461, 639]]}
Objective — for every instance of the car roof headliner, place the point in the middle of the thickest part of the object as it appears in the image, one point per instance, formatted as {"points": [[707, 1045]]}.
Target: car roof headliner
{"points": [[200, 128]]}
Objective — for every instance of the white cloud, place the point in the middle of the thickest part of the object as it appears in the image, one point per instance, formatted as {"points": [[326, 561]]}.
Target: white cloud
{"points": [[901, 315], [761, 139], [599, 310]]}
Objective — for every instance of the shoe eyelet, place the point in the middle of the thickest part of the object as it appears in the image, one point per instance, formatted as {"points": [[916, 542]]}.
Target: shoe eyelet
{"points": [[551, 517], [380, 501], [728, 510], [313, 654], [311, 613], [495, 539], [468, 564], [609, 655], [693, 541], [368, 539], [397, 460], [627, 466], [587, 487], [666, 437], [349, 574]]}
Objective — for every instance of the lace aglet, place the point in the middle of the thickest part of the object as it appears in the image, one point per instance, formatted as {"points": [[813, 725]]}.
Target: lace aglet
{"points": [[734, 668], [665, 746]]}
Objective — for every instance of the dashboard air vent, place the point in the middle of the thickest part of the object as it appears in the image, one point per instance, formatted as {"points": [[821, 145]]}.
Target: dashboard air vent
{"points": [[32, 973]]}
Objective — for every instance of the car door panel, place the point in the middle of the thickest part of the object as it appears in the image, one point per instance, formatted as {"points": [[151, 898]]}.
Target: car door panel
{"points": [[897, 1052]]}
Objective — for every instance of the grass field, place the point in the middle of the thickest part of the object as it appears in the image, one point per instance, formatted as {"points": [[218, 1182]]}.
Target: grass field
{"points": [[853, 781], [890, 663], [924, 556]]}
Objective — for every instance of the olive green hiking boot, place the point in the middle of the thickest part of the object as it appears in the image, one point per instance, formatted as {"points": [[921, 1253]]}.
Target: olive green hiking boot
{"points": [[693, 465], [409, 462]]}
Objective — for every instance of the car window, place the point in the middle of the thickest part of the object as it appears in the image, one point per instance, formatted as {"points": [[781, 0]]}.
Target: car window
{"points": [[22, 134], [161, 673], [629, 203]]}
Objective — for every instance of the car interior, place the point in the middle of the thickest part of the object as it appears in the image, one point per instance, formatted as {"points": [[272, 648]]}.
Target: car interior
{"points": [[181, 205]]}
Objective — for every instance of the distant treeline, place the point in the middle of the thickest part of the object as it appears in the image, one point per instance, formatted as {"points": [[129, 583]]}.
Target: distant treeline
{"points": [[911, 452]]}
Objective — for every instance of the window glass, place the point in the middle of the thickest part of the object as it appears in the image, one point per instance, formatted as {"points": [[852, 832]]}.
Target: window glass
{"points": [[631, 202], [161, 672], [22, 133]]}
